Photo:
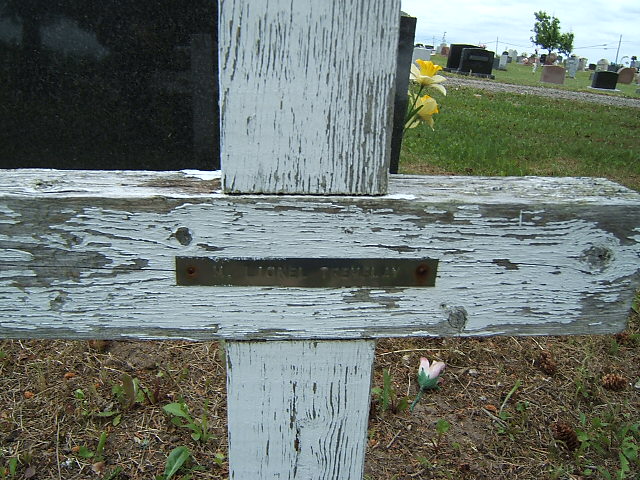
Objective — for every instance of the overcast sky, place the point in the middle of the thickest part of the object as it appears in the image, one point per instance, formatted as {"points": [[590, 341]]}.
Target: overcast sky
{"points": [[596, 24]]}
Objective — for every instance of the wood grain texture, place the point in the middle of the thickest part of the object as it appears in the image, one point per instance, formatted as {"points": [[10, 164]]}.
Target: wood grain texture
{"points": [[306, 95], [299, 409], [91, 255]]}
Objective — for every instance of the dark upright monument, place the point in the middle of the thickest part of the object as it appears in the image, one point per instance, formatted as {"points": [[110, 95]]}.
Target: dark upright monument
{"points": [[109, 84], [453, 60], [403, 68], [476, 60], [605, 79]]}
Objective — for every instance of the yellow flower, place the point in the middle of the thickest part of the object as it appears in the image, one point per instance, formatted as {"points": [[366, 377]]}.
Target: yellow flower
{"points": [[427, 76], [427, 108]]}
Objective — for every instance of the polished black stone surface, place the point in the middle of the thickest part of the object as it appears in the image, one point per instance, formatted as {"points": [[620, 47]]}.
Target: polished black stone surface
{"points": [[108, 84]]}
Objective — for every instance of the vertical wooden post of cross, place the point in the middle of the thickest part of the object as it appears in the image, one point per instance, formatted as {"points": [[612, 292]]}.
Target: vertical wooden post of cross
{"points": [[305, 97]]}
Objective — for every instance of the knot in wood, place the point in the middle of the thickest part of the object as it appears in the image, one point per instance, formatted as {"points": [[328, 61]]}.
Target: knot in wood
{"points": [[183, 235], [457, 317], [597, 257]]}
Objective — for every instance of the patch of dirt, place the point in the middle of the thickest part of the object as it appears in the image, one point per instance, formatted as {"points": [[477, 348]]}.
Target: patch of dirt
{"points": [[497, 409]]}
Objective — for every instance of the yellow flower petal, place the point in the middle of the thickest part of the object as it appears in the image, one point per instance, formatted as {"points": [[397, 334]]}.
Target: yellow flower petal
{"points": [[427, 108], [426, 75], [428, 68]]}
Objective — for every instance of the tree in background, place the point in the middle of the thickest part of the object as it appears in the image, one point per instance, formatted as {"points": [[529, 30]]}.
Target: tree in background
{"points": [[548, 35]]}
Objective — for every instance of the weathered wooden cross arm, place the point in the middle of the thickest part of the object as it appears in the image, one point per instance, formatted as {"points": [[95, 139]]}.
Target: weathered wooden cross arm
{"points": [[306, 91], [93, 255]]}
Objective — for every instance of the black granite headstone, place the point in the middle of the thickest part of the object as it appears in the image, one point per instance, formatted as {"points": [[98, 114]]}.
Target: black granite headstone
{"points": [[604, 79], [476, 60], [109, 84], [403, 67], [453, 60]]}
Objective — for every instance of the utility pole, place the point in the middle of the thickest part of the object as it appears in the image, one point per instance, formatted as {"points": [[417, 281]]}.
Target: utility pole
{"points": [[618, 51]]}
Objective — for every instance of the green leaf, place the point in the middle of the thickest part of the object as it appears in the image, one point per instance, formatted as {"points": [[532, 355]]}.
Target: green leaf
{"points": [[387, 390], [13, 466], [624, 462], [196, 435], [175, 460], [582, 436], [101, 442], [107, 413], [177, 410], [116, 420], [84, 452], [442, 426]]}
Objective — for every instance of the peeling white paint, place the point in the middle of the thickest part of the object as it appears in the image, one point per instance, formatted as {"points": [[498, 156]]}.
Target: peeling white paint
{"points": [[302, 109], [203, 174], [117, 257]]}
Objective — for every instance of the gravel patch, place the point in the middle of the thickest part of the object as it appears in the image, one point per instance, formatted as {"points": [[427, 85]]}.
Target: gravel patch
{"points": [[455, 80]]}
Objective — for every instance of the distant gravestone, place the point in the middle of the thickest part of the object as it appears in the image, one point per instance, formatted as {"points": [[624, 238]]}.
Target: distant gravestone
{"points": [[602, 65], [503, 61], [477, 61], [455, 54], [572, 66], [626, 75], [421, 53], [604, 79], [553, 74], [582, 64]]}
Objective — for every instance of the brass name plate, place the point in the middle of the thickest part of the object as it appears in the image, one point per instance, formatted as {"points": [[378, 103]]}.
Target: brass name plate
{"points": [[307, 272]]}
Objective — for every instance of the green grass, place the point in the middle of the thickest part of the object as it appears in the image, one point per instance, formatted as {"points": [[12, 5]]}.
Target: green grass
{"points": [[479, 132]]}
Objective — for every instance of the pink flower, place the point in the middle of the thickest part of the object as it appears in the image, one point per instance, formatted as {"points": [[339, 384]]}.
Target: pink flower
{"points": [[428, 374]]}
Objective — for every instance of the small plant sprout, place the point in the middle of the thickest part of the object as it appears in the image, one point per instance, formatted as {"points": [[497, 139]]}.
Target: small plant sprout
{"points": [[387, 395], [180, 417], [442, 427], [428, 378]]}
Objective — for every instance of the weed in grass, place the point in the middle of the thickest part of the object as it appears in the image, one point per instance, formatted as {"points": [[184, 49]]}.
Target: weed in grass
{"points": [[386, 396], [180, 417], [97, 455], [10, 469], [128, 394], [608, 445], [179, 460], [442, 427]]}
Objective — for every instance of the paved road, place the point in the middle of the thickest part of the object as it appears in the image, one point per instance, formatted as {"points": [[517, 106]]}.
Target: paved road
{"points": [[453, 80]]}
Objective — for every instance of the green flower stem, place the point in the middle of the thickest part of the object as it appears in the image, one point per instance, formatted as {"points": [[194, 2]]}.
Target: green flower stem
{"points": [[412, 111], [415, 402]]}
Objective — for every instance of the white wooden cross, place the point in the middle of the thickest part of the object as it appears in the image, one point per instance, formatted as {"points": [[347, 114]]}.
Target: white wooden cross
{"points": [[306, 96]]}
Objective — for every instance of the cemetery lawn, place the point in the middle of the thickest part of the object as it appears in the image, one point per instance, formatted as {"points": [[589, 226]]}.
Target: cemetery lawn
{"points": [[483, 132]]}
